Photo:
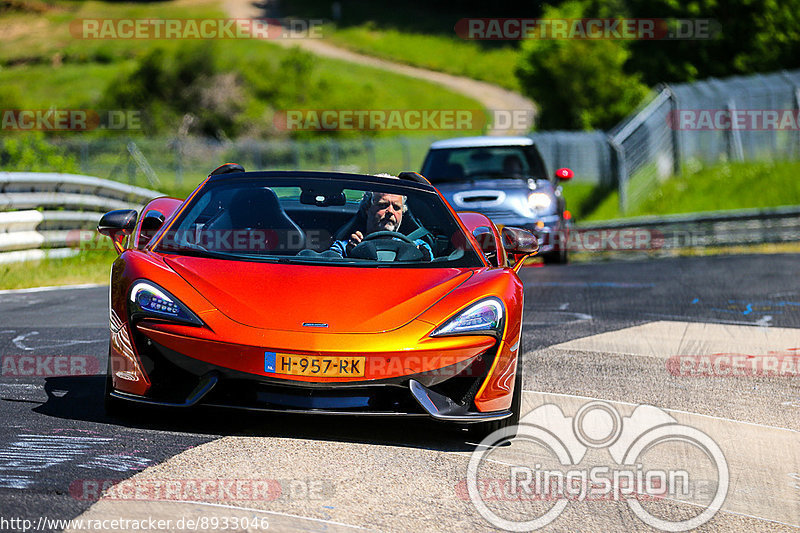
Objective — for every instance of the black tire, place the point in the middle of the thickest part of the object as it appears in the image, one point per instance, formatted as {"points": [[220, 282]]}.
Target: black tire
{"points": [[480, 430], [559, 257], [113, 406]]}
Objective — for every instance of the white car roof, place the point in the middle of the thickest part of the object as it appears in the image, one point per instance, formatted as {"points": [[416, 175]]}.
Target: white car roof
{"points": [[478, 142]]}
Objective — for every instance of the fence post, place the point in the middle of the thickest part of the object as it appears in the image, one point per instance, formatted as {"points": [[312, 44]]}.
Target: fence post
{"points": [[131, 165], [674, 123], [334, 154], [796, 150], [178, 162], [369, 147], [85, 157], [621, 172], [295, 153], [406, 152], [735, 149]]}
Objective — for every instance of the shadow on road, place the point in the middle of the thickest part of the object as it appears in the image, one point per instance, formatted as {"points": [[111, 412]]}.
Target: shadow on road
{"points": [[81, 398]]}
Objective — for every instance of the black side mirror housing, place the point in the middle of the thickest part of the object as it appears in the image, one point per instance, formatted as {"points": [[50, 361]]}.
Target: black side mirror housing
{"points": [[118, 224], [519, 244], [518, 241], [119, 221]]}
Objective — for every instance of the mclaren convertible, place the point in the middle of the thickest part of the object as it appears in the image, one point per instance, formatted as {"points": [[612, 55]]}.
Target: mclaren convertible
{"points": [[317, 292]]}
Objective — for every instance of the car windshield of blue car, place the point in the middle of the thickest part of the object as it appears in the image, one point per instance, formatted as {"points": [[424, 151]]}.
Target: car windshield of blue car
{"points": [[469, 164], [320, 221]]}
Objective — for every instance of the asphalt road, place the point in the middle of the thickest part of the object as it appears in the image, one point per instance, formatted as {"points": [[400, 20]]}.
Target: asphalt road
{"points": [[606, 331]]}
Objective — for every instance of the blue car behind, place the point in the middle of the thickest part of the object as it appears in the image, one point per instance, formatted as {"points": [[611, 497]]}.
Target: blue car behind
{"points": [[506, 179]]}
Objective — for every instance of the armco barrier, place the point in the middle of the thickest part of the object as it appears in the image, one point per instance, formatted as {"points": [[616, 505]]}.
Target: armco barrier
{"points": [[720, 228], [39, 210]]}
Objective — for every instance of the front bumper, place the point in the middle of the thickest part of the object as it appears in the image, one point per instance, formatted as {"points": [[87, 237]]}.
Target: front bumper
{"points": [[430, 403], [178, 380]]}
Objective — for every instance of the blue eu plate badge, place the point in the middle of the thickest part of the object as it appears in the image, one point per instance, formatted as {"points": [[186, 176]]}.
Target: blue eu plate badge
{"points": [[269, 362]]}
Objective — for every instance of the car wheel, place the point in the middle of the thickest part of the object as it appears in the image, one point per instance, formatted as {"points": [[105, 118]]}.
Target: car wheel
{"points": [[113, 406], [555, 258], [481, 430]]}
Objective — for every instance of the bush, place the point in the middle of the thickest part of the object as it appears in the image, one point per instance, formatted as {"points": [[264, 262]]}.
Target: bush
{"points": [[578, 84], [30, 152], [167, 87]]}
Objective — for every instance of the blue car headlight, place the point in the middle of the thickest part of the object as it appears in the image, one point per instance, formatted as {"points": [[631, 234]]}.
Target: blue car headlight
{"points": [[149, 300], [541, 203], [481, 318]]}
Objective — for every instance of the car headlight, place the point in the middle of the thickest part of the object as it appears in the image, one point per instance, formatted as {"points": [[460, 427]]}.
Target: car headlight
{"points": [[540, 202], [481, 318], [149, 300]]}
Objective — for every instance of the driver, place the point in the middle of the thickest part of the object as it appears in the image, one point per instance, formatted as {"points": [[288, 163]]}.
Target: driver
{"points": [[384, 212]]}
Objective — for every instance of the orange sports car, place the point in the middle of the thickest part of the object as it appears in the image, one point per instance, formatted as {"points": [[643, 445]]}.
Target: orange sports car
{"points": [[317, 292]]}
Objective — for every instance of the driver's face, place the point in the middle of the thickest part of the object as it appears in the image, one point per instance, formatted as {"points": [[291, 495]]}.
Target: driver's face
{"points": [[385, 213]]}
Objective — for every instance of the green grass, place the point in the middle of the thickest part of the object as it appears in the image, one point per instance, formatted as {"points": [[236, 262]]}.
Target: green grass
{"points": [[42, 65], [47, 37], [582, 197], [418, 33], [86, 83], [90, 266], [715, 188], [435, 52]]}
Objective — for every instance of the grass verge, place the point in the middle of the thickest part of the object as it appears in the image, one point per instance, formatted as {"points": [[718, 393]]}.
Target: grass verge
{"points": [[739, 185], [90, 266]]}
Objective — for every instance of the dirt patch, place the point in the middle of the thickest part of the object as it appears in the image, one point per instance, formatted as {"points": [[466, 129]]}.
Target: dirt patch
{"points": [[21, 6]]}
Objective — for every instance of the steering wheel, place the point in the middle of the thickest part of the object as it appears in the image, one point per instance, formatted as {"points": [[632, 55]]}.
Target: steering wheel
{"points": [[387, 246], [388, 235]]}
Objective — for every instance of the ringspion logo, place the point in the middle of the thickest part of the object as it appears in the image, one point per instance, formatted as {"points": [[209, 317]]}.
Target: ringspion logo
{"points": [[558, 461]]}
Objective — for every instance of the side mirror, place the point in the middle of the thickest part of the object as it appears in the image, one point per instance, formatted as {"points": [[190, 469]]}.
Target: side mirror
{"points": [[118, 224], [485, 237], [564, 174], [151, 223], [519, 243]]}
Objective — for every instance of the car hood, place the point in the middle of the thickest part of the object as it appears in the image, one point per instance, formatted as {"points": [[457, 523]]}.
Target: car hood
{"points": [[347, 299], [506, 184]]}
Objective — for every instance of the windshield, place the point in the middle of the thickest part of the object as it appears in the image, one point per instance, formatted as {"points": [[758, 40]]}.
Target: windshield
{"points": [[319, 221], [459, 164]]}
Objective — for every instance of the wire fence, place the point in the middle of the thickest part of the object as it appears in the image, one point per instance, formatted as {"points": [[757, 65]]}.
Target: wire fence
{"points": [[183, 162], [753, 118], [736, 119]]}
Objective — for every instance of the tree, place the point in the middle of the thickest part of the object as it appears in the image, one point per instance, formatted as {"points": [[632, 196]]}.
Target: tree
{"points": [[578, 83]]}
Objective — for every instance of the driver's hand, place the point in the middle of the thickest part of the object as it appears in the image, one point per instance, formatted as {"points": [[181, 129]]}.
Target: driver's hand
{"points": [[355, 239]]}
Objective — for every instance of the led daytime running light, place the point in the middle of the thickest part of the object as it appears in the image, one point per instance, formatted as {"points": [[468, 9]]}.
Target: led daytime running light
{"points": [[483, 316]]}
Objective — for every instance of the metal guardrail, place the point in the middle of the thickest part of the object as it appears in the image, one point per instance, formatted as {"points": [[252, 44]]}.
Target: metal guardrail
{"points": [[66, 203], [700, 230], [41, 213]]}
